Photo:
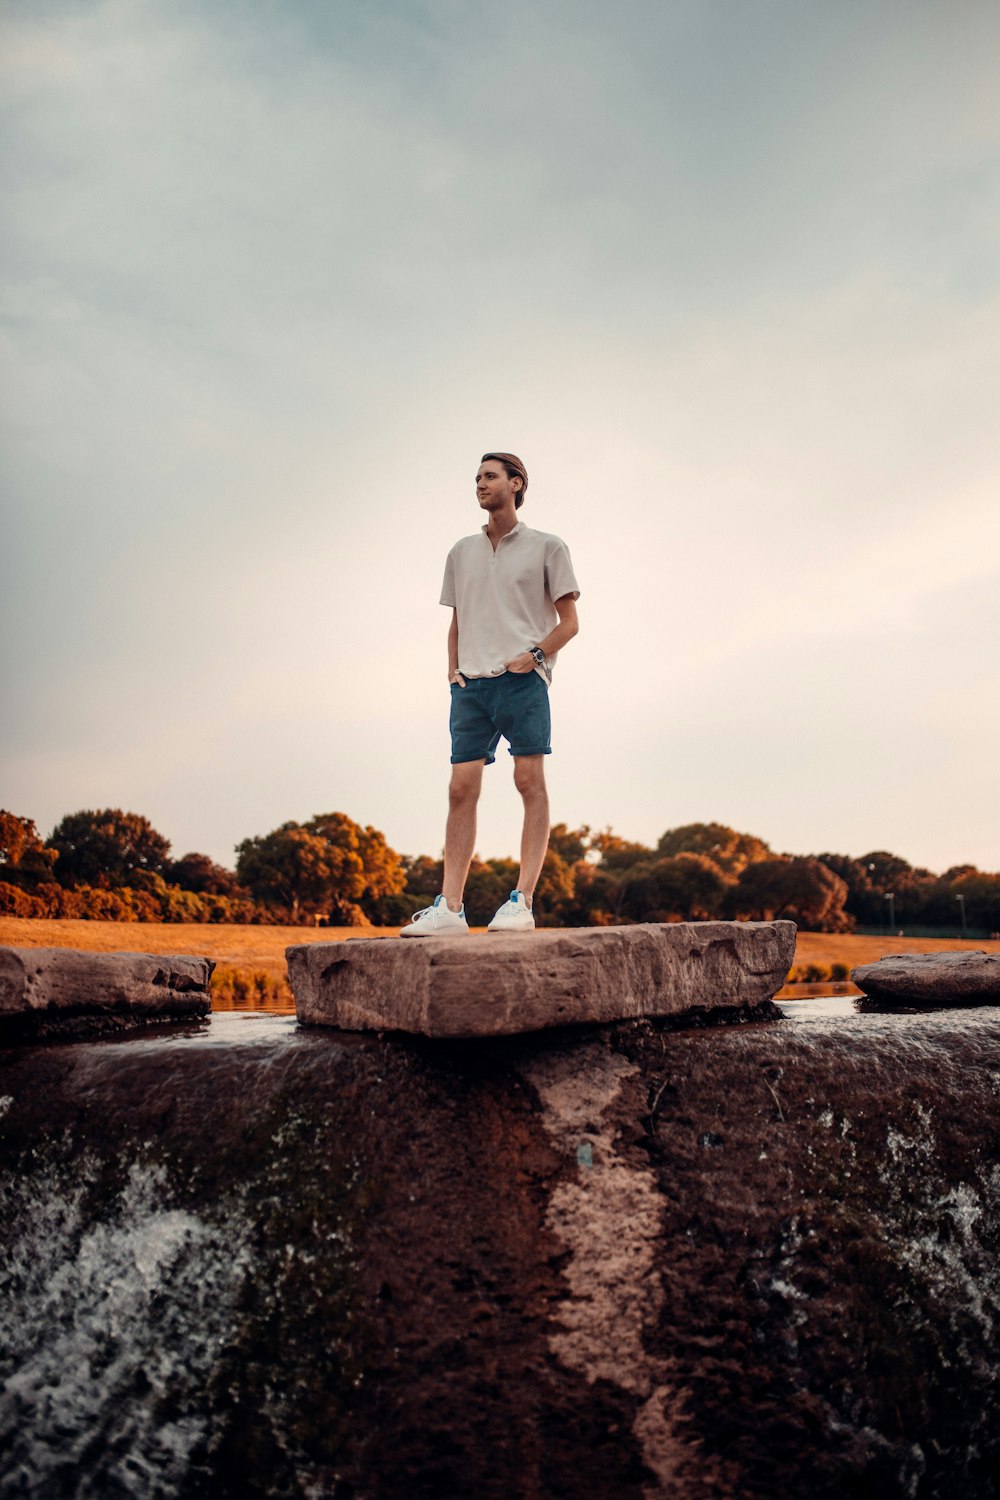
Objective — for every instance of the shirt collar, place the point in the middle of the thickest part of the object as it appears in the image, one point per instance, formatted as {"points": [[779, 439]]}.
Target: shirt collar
{"points": [[518, 526]]}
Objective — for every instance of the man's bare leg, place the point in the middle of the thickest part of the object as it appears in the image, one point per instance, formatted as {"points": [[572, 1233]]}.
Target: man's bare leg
{"points": [[460, 833], [529, 778]]}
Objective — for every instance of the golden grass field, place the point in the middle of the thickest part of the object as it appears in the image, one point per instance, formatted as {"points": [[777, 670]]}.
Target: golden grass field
{"points": [[250, 961]]}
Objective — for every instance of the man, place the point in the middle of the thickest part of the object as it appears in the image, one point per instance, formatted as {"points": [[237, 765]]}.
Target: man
{"points": [[512, 594]]}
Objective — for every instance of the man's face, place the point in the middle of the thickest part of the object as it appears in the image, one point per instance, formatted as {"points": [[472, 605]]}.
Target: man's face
{"points": [[493, 488]]}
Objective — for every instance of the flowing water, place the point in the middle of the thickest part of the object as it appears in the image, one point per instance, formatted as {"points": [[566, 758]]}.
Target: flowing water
{"points": [[243, 1259]]}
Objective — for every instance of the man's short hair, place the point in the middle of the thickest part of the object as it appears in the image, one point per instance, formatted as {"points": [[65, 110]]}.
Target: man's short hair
{"points": [[513, 465]]}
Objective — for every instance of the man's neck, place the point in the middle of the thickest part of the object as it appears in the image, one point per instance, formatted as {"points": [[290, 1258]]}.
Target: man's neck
{"points": [[500, 524]]}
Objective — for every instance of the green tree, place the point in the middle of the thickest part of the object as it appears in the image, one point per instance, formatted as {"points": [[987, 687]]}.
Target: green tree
{"points": [[556, 888], [15, 902], [982, 900], [729, 850], [488, 885], [290, 868], [424, 876], [799, 889], [862, 902], [330, 865], [937, 902], [99, 905], [380, 872], [198, 873], [686, 887], [570, 844], [871, 877], [617, 853], [596, 898], [24, 859], [106, 849], [890, 872], [960, 872]]}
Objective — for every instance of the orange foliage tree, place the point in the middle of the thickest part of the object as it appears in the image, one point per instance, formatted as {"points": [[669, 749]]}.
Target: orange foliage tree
{"points": [[330, 866]]}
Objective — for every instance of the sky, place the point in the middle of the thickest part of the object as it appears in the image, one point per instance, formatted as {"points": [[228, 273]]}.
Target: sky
{"points": [[724, 273]]}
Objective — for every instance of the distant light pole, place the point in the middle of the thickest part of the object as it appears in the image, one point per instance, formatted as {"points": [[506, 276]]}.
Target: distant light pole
{"points": [[891, 898], [961, 907]]}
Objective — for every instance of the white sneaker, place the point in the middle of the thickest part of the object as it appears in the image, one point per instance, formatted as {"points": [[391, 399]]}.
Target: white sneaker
{"points": [[514, 916], [439, 918]]}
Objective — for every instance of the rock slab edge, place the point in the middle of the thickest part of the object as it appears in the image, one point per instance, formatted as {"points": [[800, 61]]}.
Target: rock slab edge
{"points": [[503, 984], [965, 976], [45, 989]]}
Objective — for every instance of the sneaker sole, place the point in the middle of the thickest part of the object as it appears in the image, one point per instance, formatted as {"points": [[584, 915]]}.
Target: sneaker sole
{"points": [[440, 932]]}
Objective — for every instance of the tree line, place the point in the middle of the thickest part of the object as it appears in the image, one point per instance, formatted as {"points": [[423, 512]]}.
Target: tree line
{"points": [[114, 865]]}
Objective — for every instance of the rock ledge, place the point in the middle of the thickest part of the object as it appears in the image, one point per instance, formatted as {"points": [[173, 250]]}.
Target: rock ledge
{"points": [[61, 992], [968, 976], [501, 983]]}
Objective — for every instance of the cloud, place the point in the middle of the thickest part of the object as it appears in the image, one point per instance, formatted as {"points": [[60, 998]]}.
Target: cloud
{"points": [[274, 277]]}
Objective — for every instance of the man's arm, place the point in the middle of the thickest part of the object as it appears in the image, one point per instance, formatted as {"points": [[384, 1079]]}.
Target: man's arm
{"points": [[454, 675], [557, 637]]}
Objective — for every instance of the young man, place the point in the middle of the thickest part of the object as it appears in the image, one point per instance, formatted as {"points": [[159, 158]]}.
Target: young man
{"points": [[512, 594]]}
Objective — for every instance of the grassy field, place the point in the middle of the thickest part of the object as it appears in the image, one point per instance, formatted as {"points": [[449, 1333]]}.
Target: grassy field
{"points": [[250, 961], [830, 947], [823, 950]]}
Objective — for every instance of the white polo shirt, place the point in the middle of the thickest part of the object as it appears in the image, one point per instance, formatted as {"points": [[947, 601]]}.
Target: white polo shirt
{"points": [[506, 598]]}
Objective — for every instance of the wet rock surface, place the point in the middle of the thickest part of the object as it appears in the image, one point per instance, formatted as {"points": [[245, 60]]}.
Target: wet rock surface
{"points": [[628, 1261], [504, 983], [64, 993], [970, 977]]}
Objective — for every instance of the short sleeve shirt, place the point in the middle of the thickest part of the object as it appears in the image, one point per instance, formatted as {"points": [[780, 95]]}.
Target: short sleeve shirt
{"points": [[506, 598]]}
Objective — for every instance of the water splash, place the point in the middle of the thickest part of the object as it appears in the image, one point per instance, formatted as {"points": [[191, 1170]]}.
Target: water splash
{"points": [[94, 1318], [934, 1239]]}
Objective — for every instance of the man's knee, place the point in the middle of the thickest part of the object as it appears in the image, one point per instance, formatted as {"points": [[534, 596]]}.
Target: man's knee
{"points": [[529, 775], [466, 781]]}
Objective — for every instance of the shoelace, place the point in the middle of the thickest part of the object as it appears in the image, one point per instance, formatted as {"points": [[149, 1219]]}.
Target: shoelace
{"points": [[425, 909]]}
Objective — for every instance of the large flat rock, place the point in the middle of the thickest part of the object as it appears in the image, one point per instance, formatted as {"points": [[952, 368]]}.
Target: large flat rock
{"points": [[500, 983], [63, 992], [966, 977]]}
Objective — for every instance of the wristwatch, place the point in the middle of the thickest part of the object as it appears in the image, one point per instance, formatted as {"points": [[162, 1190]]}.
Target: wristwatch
{"points": [[538, 654]]}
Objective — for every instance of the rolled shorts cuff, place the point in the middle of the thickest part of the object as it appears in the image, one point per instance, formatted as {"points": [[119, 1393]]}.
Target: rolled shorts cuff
{"points": [[514, 705]]}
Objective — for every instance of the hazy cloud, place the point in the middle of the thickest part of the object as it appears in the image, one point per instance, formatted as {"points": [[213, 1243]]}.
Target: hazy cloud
{"points": [[726, 276]]}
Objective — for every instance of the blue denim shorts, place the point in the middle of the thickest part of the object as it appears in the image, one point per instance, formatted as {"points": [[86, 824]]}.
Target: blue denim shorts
{"points": [[515, 705]]}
